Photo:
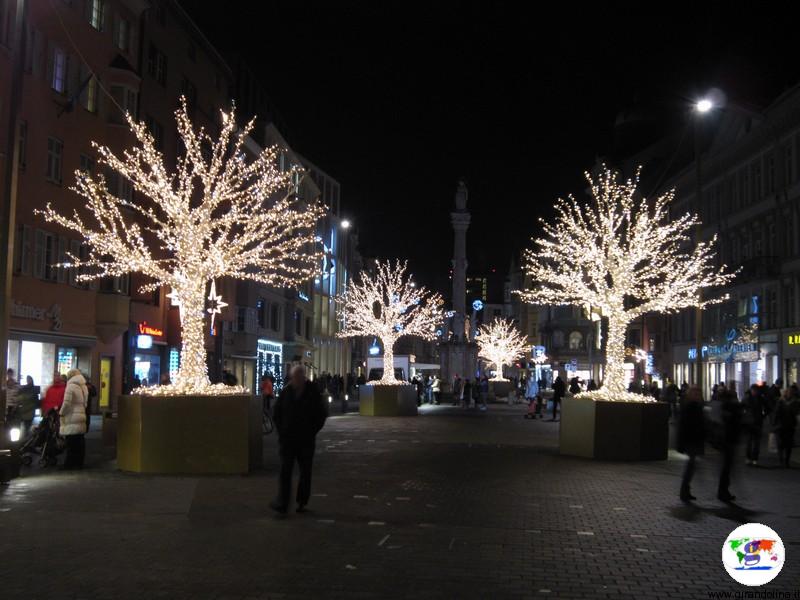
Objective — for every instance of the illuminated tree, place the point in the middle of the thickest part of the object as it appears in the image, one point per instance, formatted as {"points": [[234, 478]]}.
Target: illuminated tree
{"points": [[217, 215], [388, 305], [500, 343], [622, 254]]}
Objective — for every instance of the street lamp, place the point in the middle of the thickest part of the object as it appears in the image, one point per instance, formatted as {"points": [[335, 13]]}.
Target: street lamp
{"points": [[345, 224], [702, 107]]}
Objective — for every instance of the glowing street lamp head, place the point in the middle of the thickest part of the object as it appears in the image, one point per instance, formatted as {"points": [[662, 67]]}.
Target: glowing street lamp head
{"points": [[704, 105], [345, 224]]}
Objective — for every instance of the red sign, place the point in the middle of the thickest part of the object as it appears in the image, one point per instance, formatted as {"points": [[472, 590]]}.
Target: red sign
{"points": [[146, 329]]}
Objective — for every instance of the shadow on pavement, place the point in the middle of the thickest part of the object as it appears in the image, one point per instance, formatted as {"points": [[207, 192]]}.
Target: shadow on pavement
{"points": [[731, 512]]}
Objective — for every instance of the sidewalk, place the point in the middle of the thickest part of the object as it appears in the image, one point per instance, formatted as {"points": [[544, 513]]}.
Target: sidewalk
{"points": [[451, 504]]}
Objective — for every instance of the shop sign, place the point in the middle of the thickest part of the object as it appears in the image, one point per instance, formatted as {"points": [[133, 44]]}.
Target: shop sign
{"points": [[731, 352], [793, 339], [145, 329], [35, 313]]}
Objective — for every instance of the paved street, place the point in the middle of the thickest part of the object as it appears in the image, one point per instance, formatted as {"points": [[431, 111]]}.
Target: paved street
{"points": [[446, 505]]}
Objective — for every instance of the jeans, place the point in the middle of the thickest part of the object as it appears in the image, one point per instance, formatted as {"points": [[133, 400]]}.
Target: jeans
{"points": [[754, 442], [303, 454]]}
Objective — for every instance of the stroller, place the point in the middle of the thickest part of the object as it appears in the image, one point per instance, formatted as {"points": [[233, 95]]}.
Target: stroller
{"points": [[43, 441]]}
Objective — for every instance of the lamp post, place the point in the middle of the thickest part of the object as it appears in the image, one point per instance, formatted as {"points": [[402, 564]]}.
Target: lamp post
{"points": [[701, 108]]}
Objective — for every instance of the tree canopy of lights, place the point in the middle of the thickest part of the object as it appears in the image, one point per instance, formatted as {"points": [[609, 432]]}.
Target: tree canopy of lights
{"points": [[218, 214], [385, 304], [621, 253], [500, 343]]}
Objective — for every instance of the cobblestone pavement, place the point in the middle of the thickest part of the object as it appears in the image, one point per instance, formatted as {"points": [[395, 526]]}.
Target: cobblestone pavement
{"points": [[450, 504]]}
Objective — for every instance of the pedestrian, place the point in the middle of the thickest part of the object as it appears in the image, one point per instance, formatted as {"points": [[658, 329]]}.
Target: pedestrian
{"points": [[27, 399], [436, 389], [785, 425], [655, 391], [267, 391], [591, 386], [531, 390], [754, 412], [691, 434], [73, 419], [300, 413], [457, 390], [671, 398], [466, 392], [559, 389], [574, 386], [54, 396], [11, 392], [731, 419]]}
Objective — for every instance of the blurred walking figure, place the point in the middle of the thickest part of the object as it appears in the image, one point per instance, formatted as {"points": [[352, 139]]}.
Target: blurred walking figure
{"points": [[299, 414], [559, 389], [755, 410], [691, 434], [671, 398], [785, 425], [731, 419]]}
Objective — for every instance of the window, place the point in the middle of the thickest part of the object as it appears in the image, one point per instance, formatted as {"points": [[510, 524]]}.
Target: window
{"points": [[87, 164], [261, 313], [89, 95], [156, 130], [55, 151], [274, 317], [157, 65], [241, 318], [97, 9], [190, 93], [575, 340], [558, 339], [298, 322], [788, 163], [789, 307], [45, 256], [126, 98], [22, 250], [23, 143], [58, 70], [308, 328], [122, 39]]}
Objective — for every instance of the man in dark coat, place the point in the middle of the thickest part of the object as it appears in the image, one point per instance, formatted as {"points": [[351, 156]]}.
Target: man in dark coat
{"points": [[691, 435], [559, 389], [299, 414], [731, 414]]}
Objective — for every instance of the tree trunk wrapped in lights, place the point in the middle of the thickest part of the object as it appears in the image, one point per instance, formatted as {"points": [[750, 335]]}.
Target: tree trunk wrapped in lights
{"points": [[217, 215], [388, 305], [500, 343], [621, 253]]}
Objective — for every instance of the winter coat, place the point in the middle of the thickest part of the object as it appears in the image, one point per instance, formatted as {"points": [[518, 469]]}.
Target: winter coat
{"points": [[436, 386], [691, 428], [54, 397], [786, 416], [299, 417], [73, 409], [559, 388], [533, 388], [26, 403]]}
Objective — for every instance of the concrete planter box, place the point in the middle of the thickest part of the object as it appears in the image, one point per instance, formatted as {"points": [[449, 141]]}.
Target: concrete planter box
{"points": [[387, 400], [614, 430], [189, 434], [499, 390]]}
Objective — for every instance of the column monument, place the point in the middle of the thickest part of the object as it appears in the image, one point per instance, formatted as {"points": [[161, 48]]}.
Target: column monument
{"points": [[458, 355]]}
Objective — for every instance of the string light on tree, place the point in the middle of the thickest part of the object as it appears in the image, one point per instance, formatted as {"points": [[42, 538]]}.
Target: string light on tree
{"points": [[500, 343], [385, 305], [623, 255], [216, 215]]}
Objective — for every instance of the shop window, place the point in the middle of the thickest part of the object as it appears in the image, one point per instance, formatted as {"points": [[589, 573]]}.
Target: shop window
{"points": [[575, 340]]}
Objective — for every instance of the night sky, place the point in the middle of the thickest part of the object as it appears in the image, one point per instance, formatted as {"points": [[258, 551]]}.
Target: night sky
{"points": [[400, 100]]}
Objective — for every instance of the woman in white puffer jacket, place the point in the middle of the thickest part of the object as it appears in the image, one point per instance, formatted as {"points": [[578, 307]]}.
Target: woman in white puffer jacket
{"points": [[73, 419]]}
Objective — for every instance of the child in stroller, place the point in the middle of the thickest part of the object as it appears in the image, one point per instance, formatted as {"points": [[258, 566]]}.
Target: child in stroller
{"points": [[44, 441]]}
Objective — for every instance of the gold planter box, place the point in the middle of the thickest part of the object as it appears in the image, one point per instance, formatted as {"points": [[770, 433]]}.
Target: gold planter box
{"points": [[387, 400], [189, 434]]}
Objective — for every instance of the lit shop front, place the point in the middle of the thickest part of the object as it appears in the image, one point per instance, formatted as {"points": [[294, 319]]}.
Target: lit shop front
{"points": [[153, 360], [43, 353], [270, 360]]}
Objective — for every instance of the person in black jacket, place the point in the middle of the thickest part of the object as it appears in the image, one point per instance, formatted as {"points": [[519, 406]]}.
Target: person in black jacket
{"points": [[691, 435], [559, 389], [731, 412], [299, 414]]}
